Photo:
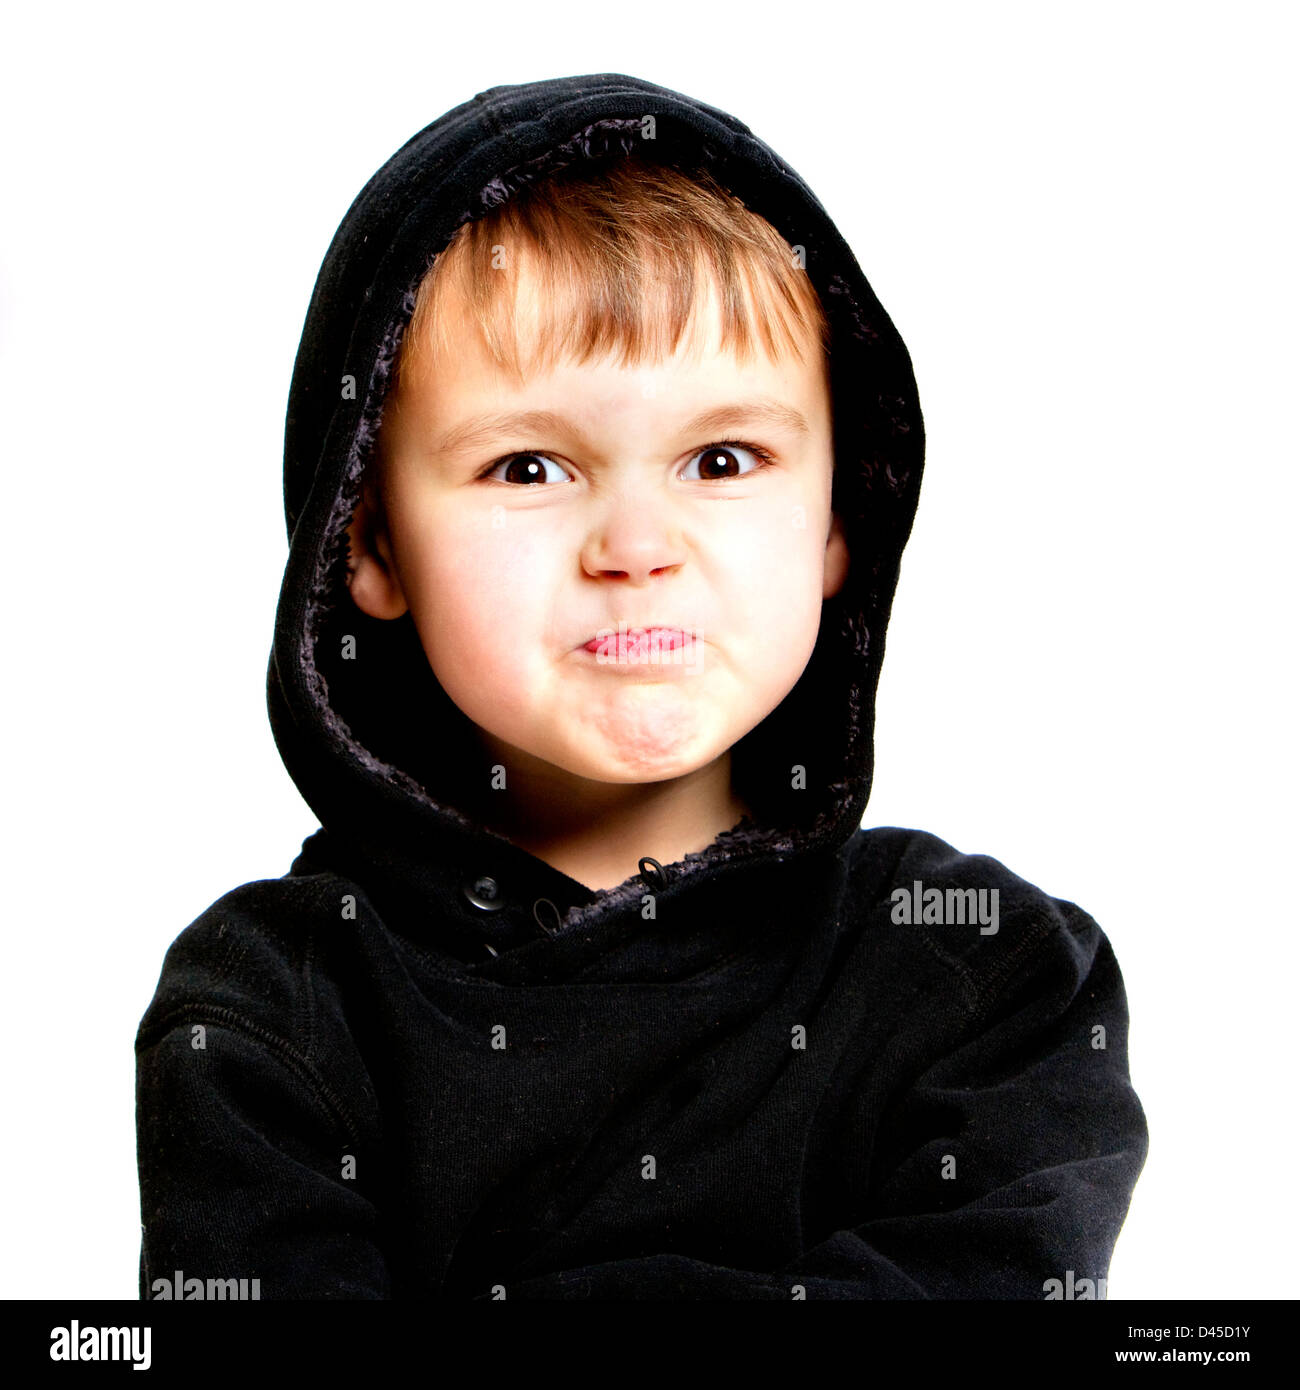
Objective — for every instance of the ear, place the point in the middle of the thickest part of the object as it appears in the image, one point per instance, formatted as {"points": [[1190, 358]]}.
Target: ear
{"points": [[837, 559], [372, 576]]}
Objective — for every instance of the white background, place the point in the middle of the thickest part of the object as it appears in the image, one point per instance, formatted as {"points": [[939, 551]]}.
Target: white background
{"points": [[1081, 218]]}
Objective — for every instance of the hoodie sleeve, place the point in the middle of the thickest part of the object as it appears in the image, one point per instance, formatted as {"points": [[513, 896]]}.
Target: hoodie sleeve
{"points": [[1004, 1171], [243, 1165]]}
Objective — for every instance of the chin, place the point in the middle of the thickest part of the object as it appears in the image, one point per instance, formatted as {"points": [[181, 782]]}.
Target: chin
{"points": [[633, 766]]}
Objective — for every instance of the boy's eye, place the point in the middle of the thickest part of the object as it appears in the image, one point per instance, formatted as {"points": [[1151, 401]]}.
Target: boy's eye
{"points": [[526, 468], [720, 461], [717, 461]]}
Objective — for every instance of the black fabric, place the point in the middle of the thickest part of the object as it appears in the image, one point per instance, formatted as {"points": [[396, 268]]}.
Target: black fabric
{"points": [[739, 1075]]}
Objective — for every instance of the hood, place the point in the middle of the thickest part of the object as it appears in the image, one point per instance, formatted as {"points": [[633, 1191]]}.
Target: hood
{"points": [[372, 741]]}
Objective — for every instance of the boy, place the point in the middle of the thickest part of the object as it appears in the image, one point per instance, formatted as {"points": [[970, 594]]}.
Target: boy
{"points": [[600, 460]]}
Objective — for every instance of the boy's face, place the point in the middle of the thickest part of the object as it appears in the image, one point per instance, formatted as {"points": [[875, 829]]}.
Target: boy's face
{"points": [[617, 512]]}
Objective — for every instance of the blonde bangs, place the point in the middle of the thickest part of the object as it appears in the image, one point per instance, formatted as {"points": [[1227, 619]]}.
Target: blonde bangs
{"points": [[620, 262]]}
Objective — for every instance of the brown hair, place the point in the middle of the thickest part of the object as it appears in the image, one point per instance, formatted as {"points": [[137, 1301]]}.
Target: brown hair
{"points": [[619, 257]]}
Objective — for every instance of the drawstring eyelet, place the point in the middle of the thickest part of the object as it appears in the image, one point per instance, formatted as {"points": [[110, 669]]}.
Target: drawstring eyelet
{"points": [[654, 877], [550, 931]]}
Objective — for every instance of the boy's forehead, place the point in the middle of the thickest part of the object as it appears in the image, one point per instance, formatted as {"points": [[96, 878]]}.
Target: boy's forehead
{"points": [[468, 400]]}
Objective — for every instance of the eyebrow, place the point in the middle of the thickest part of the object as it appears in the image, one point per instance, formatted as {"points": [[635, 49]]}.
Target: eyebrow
{"points": [[481, 430]]}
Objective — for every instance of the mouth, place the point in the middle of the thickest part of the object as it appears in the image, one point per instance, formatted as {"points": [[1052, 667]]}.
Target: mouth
{"points": [[639, 644]]}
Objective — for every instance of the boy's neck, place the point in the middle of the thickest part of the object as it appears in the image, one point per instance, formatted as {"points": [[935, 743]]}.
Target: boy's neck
{"points": [[596, 832]]}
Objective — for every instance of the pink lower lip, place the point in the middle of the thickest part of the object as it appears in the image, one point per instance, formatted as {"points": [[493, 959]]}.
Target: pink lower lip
{"points": [[637, 640]]}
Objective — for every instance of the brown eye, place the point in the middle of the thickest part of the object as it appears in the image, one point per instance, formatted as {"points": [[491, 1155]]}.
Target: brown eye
{"points": [[526, 469], [726, 461]]}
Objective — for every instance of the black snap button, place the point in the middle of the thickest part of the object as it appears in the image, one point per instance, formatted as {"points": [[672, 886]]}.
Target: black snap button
{"points": [[483, 892]]}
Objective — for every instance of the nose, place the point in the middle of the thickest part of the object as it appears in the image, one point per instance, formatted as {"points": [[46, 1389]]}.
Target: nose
{"points": [[634, 539]]}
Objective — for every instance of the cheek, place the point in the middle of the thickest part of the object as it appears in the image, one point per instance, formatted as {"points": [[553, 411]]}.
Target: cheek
{"points": [[478, 597], [775, 567]]}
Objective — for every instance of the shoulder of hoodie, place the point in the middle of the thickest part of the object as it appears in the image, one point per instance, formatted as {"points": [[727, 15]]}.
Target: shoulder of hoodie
{"points": [[1042, 941], [252, 961]]}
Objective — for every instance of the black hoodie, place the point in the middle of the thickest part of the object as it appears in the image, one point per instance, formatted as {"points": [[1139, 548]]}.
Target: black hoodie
{"points": [[809, 1061]]}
